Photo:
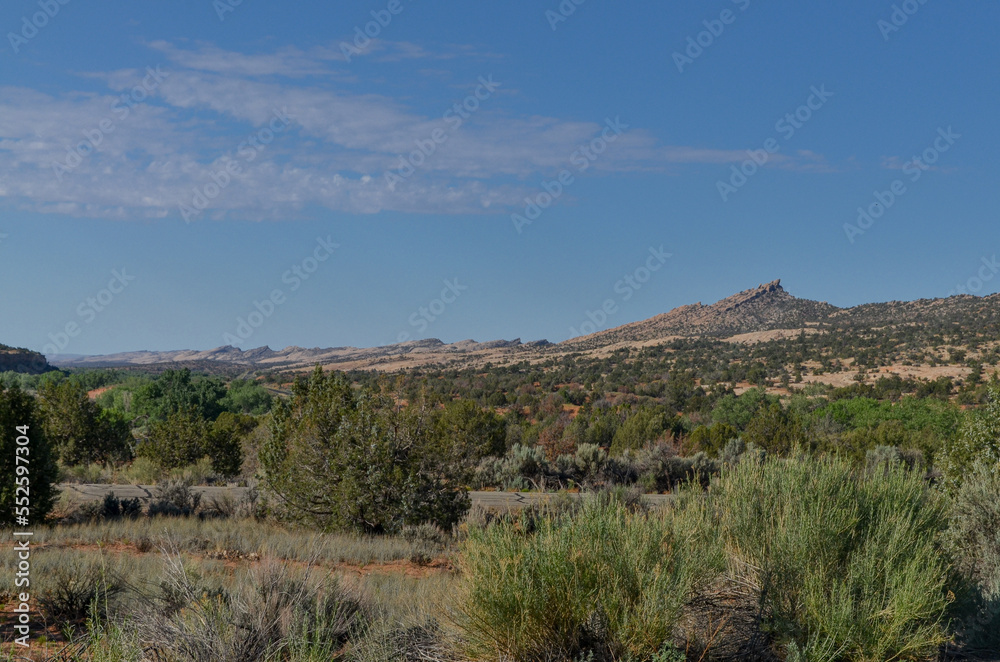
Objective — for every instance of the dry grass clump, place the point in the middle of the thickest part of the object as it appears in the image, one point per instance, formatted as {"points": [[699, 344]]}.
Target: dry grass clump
{"points": [[271, 611]]}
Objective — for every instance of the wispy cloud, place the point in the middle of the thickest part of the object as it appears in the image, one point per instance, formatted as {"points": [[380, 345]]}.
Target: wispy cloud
{"points": [[341, 142]]}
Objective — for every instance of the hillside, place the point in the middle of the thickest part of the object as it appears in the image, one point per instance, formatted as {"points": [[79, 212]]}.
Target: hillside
{"points": [[22, 360], [763, 308]]}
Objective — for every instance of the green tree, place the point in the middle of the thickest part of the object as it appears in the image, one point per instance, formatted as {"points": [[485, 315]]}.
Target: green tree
{"points": [[738, 411], [644, 426], [175, 442], [175, 391], [712, 438], [224, 442], [475, 432], [978, 441], [19, 417], [345, 459], [79, 431], [246, 397], [773, 430]]}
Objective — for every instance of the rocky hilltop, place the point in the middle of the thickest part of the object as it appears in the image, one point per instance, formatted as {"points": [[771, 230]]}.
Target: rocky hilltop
{"points": [[22, 360], [765, 307]]}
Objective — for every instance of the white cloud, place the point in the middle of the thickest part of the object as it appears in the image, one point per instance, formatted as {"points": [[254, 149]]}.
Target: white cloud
{"points": [[334, 155]]}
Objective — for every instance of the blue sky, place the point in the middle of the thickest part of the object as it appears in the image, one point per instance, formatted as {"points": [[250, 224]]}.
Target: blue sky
{"points": [[120, 220]]}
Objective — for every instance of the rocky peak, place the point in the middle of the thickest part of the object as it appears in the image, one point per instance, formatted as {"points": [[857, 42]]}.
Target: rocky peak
{"points": [[754, 294]]}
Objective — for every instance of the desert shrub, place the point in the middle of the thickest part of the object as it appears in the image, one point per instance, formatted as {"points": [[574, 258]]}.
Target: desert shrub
{"points": [[113, 508], [660, 470], [775, 430], [426, 534], [644, 426], [201, 472], [271, 612], [522, 467], [72, 588], [845, 566], [86, 473], [175, 498], [226, 506], [384, 641], [142, 471], [712, 439], [978, 441], [974, 542], [590, 460], [737, 450], [563, 590], [88, 511]]}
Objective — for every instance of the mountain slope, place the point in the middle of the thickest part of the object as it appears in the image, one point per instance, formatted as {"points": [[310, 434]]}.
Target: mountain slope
{"points": [[763, 308]]}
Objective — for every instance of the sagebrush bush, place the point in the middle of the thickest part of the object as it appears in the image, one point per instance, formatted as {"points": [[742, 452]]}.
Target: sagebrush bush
{"points": [[75, 586], [605, 579], [846, 566], [273, 611], [974, 542], [175, 498], [142, 471]]}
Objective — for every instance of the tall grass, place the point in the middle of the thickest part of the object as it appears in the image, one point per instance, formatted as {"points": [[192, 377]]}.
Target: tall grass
{"points": [[844, 566], [605, 580], [235, 538]]}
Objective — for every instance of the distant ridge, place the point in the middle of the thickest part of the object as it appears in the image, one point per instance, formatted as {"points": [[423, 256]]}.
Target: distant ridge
{"points": [[760, 313], [296, 357]]}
